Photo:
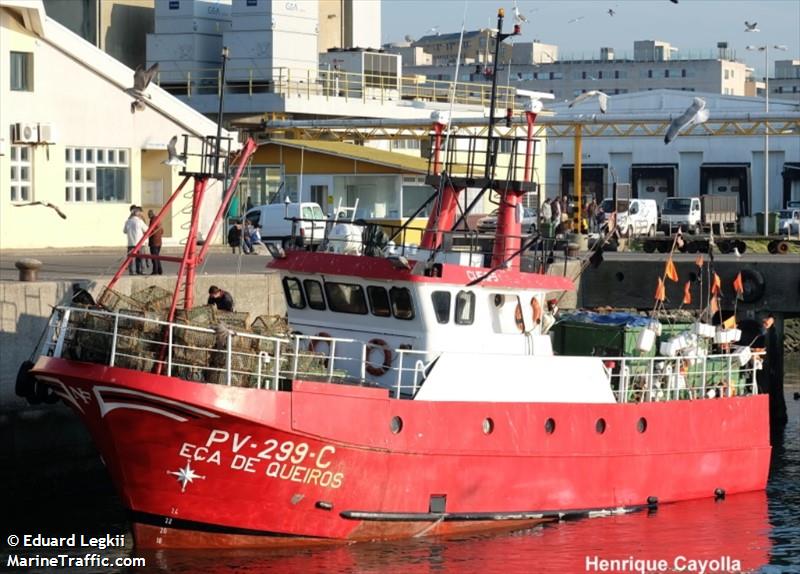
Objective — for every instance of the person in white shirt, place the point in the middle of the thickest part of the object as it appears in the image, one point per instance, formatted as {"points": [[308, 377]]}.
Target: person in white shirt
{"points": [[134, 228]]}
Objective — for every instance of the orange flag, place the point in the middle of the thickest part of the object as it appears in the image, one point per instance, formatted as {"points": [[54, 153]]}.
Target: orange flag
{"points": [[699, 260], [661, 291], [687, 294], [714, 305], [738, 285], [716, 285], [671, 272]]}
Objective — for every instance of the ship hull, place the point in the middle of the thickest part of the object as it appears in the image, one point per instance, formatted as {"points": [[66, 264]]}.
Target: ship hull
{"points": [[202, 465]]}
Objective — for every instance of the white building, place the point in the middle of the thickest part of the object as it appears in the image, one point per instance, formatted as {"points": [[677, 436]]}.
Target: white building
{"points": [[68, 136], [691, 164]]}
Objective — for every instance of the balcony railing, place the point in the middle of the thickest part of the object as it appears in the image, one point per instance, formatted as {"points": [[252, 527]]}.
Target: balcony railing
{"points": [[330, 84]]}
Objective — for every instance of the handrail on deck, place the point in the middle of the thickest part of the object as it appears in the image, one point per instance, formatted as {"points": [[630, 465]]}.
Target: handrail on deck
{"points": [[137, 342]]}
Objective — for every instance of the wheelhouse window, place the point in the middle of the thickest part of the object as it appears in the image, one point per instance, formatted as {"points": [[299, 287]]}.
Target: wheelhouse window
{"points": [[314, 296], [402, 303], [441, 305], [294, 293], [378, 301], [21, 72], [465, 308], [346, 298]]}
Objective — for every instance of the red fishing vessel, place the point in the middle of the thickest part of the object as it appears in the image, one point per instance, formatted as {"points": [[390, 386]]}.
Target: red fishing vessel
{"points": [[417, 394]]}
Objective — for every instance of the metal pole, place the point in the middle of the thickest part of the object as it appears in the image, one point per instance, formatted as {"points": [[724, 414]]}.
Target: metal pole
{"points": [[490, 159], [766, 141], [218, 155], [577, 182]]}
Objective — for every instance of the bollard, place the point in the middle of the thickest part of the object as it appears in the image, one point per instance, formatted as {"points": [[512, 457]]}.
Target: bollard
{"points": [[28, 269]]}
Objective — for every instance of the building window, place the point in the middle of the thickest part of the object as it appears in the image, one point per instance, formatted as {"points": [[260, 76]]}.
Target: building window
{"points": [[97, 174], [727, 74], [583, 75], [683, 73], [616, 74], [666, 73], [20, 173], [649, 73], [22, 71], [599, 74]]}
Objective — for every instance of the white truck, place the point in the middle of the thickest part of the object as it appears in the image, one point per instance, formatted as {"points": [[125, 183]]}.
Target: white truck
{"points": [[694, 214], [280, 221]]}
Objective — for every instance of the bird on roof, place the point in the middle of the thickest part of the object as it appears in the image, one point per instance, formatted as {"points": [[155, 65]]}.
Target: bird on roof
{"points": [[518, 16], [173, 157], [434, 30], [46, 204], [602, 99], [141, 80], [751, 27], [697, 113]]}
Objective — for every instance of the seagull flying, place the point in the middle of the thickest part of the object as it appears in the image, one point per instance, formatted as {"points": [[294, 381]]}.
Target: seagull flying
{"points": [[46, 204], [579, 18], [518, 17], [602, 99], [674, 1], [434, 30], [697, 113], [751, 27], [611, 12], [141, 80], [174, 158]]}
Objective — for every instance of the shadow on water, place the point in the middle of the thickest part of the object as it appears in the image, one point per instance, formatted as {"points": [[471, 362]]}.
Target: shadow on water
{"points": [[753, 532]]}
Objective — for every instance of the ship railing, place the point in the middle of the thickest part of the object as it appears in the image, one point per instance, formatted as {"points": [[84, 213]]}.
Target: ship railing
{"points": [[651, 379], [225, 356]]}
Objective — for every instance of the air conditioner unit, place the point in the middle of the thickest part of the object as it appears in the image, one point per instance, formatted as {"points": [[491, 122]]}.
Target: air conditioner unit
{"points": [[47, 133], [26, 133]]}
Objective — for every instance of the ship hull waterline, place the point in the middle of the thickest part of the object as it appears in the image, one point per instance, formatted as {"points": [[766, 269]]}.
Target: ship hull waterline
{"points": [[204, 465]]}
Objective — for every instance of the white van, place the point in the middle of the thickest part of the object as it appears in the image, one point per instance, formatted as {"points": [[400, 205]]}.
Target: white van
{"points": [[640, 216], [681, 213], [277, 219]]}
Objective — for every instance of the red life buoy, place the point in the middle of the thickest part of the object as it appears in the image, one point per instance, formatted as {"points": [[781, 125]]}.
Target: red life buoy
{"points": [[313, 345], [536, 308], [381, 346]]}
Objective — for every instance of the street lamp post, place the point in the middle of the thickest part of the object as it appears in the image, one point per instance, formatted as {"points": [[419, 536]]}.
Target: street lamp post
{"points": [[765, 49]]}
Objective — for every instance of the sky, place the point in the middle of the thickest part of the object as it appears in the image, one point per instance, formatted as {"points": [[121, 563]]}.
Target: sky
{"points": [[693, 26]]}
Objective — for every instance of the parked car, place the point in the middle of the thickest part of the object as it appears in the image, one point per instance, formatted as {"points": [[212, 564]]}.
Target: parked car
{"points": [[680, 213], [789, 221], [529, 221], [634, 216], [276, 222]]}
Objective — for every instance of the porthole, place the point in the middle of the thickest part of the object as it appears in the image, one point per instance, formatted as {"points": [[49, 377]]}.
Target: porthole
{"points": [[600, 426], [396, 425], [550, 426], [620, 276], [488, 425], [641, 426], [499, 300]]}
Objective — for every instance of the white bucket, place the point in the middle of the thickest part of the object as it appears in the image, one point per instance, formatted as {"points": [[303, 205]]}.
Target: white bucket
{"points": [[704, 330], [645, 340], [743, 354]]}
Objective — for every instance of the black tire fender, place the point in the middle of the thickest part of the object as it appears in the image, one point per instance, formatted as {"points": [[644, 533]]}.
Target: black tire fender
{"points": [[754, 285], [25, 386]]}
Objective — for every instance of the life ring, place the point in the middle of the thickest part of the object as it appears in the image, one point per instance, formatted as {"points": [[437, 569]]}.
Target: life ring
{"points": [[754, 285], [536, 311], [518, 320], [313, 346], [378, 345]]}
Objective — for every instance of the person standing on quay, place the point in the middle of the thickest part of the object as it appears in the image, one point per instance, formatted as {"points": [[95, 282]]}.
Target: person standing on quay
{"points": [[155, 238], [134, 228], [222, 299]]}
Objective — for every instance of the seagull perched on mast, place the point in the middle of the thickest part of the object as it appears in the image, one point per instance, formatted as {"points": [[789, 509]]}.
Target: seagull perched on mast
{"points": [[46, 204], [174, 158], [519, 17], [141, 80], [751, 27], [602, 99], [694, 114]]}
